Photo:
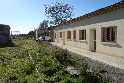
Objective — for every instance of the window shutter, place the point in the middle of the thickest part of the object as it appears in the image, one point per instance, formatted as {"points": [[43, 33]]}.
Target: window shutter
{"points": [[104, 34], [84, 34], [55, 35], [80, 34], [74, 34], [109, 34], [113, 34], [69, 34], [60, 34]]}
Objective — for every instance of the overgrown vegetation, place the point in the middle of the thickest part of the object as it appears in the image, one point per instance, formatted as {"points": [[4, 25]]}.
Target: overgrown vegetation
{"points": [[17, 67]]}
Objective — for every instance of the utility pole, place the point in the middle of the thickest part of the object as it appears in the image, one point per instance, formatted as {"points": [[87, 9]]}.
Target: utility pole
{"points": [[36, 34]]}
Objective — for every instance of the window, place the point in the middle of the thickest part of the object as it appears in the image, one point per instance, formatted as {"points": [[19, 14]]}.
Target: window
{"points": [[109, 34], [60, 34], [82, 34], [68, 34], [55, 35], [74, 34]]}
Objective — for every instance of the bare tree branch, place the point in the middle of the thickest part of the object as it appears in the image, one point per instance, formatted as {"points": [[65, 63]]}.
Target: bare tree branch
{"points": [[58, 13]]}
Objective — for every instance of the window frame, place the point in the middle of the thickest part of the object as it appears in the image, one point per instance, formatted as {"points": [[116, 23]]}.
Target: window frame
{"points": [[69, 35], [107, 34], [60, 35], [82, 34]]}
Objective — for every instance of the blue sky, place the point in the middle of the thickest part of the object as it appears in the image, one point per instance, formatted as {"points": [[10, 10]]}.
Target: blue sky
{"points": [[25, 15]]}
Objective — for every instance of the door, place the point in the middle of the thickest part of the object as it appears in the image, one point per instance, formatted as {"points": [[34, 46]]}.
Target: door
{"points": [[63, 37], [92, 44]]}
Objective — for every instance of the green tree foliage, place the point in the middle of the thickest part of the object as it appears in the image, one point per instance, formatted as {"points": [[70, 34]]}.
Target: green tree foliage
{"points": [[31, 34]]}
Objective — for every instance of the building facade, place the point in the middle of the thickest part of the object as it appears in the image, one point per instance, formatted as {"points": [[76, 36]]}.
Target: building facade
{"points": [[101, 31], [4, 33]]}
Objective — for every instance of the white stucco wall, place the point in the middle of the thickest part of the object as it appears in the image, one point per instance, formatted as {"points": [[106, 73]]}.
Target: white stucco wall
{"points": [[114, 18]]}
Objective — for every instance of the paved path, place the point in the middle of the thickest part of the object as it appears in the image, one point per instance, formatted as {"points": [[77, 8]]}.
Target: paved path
{"points": [[113, 61]]}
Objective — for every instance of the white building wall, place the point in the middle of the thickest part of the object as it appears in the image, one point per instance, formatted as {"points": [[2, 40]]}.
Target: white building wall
{"points": [[114, 18]]}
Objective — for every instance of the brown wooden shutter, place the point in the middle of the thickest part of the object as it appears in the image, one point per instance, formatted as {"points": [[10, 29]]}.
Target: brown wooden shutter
{"points": [[84, 36], [74, 34], [55, 35], [80, 34], [104, 35], [108, 34], [60, 34], [113, 34], [69, 34]]}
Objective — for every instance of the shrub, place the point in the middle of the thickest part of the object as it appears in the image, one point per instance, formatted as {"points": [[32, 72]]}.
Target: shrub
{"points": [[49, 62], [61, 56], [52, 69], [92, 77]]}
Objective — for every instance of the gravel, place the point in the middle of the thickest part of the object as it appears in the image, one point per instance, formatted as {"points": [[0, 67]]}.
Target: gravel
{"points": [[114, 74]]}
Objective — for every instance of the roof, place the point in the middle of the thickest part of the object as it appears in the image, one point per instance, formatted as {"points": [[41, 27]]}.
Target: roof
{"points": [[95, 13], [4, 26]]}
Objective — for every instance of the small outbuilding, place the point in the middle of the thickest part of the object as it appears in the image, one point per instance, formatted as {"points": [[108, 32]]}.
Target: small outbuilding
{"points": [[4, 34], [48, 33]]}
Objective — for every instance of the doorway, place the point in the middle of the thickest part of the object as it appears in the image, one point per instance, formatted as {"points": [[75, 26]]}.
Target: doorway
{"points": [[93, 40], [63, 37]]}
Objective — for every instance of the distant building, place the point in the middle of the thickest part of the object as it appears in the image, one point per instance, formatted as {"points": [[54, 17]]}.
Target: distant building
{"points": [[45, 32], [4, 33]]}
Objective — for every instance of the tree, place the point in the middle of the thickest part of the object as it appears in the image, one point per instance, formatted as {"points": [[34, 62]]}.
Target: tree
{"points": [[31, 34], [43, 25], [58, 13]]}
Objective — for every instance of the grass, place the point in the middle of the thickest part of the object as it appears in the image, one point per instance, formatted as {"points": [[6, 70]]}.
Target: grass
{"points": [[17, 67]]}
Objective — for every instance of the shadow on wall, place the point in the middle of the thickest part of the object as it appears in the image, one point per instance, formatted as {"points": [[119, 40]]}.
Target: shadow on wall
{"points": [[116, 45]]}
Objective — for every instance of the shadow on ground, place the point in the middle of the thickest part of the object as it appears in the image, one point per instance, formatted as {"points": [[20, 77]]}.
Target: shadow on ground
{"points": [[7, 45]]}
